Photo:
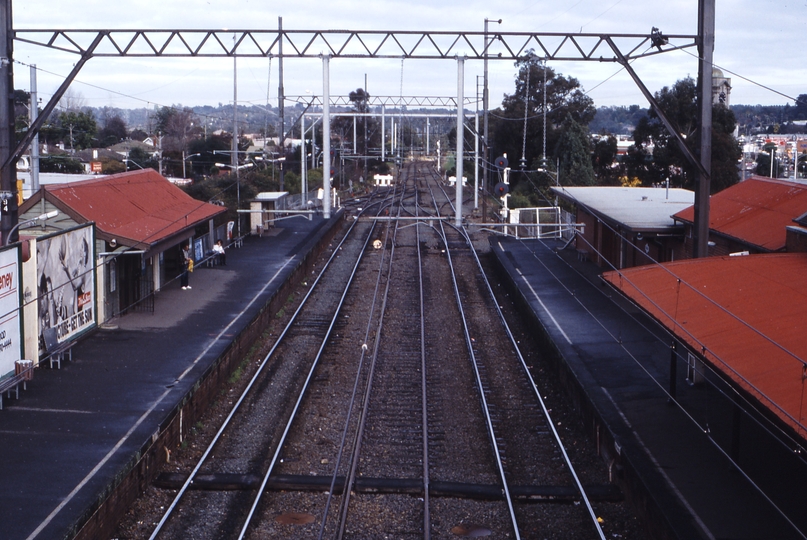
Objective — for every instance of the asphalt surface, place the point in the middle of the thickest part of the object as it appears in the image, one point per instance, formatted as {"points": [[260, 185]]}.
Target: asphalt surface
{"points": [[76, 428], [622, 359]]}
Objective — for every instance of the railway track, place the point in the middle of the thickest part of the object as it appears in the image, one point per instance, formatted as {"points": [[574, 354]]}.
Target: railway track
{"points": [[395, 404]]}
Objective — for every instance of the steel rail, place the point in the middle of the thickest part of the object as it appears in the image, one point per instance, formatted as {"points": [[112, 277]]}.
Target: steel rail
{"points": [[423, 397], [423, 366], [485, 408], [180, 494], [305, 387], [527, 372], [547, 415], [243, 395], [369, 387], [354, 393]]}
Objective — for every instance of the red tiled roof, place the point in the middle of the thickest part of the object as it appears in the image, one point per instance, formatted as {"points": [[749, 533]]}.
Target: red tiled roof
{"points": [[745, 314], [755, 211], [139, 206]]}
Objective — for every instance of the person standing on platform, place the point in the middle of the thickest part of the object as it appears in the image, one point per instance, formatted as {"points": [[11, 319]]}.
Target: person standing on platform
{"points": [[187, 267]]}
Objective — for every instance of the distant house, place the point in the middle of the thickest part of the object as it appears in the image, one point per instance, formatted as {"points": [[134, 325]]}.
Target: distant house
{"points": [[626, 226], [141, 221], [90, 155], [756, 215], [124, 147]]}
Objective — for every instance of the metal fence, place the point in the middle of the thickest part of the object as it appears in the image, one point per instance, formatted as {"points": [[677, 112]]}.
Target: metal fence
{"points": [[540, 222]]}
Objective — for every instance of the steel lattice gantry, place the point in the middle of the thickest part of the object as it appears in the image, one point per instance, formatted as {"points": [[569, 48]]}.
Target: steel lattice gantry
{"points": [[327, 44], [352, 44]]}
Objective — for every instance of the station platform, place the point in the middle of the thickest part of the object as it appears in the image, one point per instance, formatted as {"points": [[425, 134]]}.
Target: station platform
{"points": [[76, 430], [671, 453]]}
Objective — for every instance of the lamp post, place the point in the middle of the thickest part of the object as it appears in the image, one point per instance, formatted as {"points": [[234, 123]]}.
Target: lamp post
{"points": [[26, 222], [238, 186], [184, 159], [126, 162]]}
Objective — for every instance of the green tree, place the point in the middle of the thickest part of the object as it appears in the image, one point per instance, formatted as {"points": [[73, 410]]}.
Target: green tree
{"points": [[800, 111], [60, 164], [604, 159], [802, 165], [141, 159], [564, 98], [21, 118], [175, 128], [679, 104], [138, 134], [78, 130], [113, 132], [764, 161], [574, 154], [726, 150], [203, 153]]}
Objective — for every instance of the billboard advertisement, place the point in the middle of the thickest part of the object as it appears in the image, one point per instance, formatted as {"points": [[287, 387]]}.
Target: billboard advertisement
{"points": [[10, 322], [66, 283]]}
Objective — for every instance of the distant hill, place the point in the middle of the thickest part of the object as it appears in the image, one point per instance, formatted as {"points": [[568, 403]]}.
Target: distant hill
{"points": [[616, 120], [608, 120]]}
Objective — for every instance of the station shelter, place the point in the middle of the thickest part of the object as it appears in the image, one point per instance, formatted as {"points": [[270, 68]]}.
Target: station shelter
{"points": [[264, 209], [626, 226], [141, 220]]}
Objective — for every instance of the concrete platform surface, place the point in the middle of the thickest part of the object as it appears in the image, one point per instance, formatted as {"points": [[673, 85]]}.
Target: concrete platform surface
{"points": [[622, 360], [76, 428]]}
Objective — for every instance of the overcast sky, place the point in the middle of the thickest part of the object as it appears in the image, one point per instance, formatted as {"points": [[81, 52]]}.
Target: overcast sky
{"points": [[758, 41]]}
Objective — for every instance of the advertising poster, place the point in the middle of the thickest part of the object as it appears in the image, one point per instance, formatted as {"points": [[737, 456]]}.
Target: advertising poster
{"points": [[66, 283], [10, 335], [198, 250]]}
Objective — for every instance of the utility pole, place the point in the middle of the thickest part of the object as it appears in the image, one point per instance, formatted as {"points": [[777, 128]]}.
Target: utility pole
{"points": [[281, 98], [8, 174], [365, 111], [486, 153], [706, 45], [33, 113], [460, 136], [326, 137], [159, 151], [234, 157]]}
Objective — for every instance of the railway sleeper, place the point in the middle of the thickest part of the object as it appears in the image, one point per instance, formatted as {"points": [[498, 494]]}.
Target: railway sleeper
{"points": [[404, 486]]}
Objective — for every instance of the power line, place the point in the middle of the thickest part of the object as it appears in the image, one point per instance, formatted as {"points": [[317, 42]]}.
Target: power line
{"points": [[147, 102], [755, 83]]}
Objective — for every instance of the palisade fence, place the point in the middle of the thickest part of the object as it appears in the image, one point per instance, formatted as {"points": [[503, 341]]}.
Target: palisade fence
{"points": [[542, 222]]}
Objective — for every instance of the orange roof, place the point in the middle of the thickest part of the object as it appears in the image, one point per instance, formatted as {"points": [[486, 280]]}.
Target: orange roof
{"points": [[755, 211], [137, 208], [744, 314]]}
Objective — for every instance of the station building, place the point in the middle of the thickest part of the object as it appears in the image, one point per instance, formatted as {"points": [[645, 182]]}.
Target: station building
{"points": [[141, 222], [758, 215], [626, 226]]}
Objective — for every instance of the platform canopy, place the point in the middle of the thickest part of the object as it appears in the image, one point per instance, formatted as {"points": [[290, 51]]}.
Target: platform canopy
{"points": [[744, 315], [138, 209]]}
